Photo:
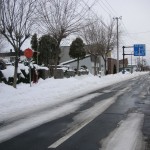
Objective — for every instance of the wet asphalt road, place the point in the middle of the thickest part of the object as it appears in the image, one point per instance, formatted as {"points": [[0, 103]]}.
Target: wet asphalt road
{"points": [[134, 97]]}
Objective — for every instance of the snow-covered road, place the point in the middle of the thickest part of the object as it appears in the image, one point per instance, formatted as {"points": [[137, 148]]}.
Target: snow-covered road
{"points": [[127, 136], [17, 109]]}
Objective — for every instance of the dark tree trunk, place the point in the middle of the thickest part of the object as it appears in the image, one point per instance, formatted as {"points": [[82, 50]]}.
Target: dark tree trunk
{"points": [[95, 61], [105, 66], [56, 59], [15, 72], [78, 66]]}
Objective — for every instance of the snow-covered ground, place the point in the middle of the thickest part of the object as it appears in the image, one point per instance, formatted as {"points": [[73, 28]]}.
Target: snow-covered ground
{"points": [[127, 136], [52, 93]]}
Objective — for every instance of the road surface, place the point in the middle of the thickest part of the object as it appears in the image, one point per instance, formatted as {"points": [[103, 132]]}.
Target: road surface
{"points": [[116, 117]]}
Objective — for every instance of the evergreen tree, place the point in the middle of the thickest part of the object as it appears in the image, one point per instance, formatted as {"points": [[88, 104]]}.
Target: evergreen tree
{"points": [[34, 46], [77, 50], [47, 46]]}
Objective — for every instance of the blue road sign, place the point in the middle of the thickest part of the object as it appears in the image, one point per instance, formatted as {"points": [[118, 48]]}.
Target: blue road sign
{"points": [[139, 50]]}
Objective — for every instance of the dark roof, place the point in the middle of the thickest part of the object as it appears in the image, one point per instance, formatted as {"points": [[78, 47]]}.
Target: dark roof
{"points": [[73, 60], [125, 61], [10, 54]]}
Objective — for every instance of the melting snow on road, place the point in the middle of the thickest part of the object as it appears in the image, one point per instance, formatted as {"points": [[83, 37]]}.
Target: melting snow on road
{"points": [[50, 92], [34, 120], [127, 136], [26, 100], [84, 118]]}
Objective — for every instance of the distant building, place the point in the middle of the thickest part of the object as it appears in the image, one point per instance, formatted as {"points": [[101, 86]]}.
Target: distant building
{"points": [[112, 65], [10, 56], [125, 65], [121, 63], [87, 61]]}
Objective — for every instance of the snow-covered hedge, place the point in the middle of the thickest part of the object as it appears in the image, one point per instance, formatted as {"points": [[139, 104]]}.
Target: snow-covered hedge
{"points": [[7, 75]]}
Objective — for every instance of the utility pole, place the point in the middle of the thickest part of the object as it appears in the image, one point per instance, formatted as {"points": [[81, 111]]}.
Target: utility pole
{"points": [[0, 7], [124, 55], [131, 63], [117, 19]]}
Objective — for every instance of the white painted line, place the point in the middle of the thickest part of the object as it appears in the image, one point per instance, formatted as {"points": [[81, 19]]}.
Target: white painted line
{"points": [[85, 118], [32, 121], [63, 139]]}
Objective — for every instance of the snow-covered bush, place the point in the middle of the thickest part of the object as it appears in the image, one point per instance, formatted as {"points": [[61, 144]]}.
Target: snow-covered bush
{"points": [[7, 75]]}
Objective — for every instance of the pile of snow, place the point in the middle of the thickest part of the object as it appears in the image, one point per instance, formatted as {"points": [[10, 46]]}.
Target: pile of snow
{"points": [[51, 91], [127, 136], [9, 71]]}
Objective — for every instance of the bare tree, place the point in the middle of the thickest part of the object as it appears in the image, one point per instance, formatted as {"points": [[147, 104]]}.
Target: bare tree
{"points": [[100, 39], [15, 24], [0, 3], [1, 37], [108, 41], [60, 18], [92, 36], [1, 42]]}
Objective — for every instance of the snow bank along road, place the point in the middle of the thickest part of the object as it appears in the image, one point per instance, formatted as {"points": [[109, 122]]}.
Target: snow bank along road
{"points": [[115, 118]]}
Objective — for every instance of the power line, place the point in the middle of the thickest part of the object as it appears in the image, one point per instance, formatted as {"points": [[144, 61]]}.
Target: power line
{"points": [[103, 7], [133, 40], [90, 9], [86, 4], [106, 6], [111, 7], [114, 12], [140, 32], [127, 31]]}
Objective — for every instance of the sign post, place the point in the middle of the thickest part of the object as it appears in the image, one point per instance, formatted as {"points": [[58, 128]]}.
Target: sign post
{"points": [[124, 55], [29, 53], [139, 50]]}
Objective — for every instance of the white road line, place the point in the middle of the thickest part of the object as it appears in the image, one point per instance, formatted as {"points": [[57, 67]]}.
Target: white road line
{"points": [[23, 125], [63, 139], [96, 110]]}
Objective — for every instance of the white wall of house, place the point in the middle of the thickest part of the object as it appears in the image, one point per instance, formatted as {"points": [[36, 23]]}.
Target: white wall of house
{"points": [[88, 63], [65, 59], [102, 66], [83, 62]]}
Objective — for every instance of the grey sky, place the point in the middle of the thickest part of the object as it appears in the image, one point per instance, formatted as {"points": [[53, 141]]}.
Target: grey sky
{"points": [[135, 23]]}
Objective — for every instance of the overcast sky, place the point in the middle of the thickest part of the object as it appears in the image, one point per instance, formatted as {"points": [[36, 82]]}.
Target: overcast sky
{"points": [[135, 23]]}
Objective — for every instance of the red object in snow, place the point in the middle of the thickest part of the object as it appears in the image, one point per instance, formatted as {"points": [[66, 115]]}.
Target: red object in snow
{"points": [[28, 53]]}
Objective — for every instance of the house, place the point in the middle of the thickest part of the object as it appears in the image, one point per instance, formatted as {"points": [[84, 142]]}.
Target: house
{"points": [[121, 63], [112, 65], [10, 56], [125, 65], [87, 61]]}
